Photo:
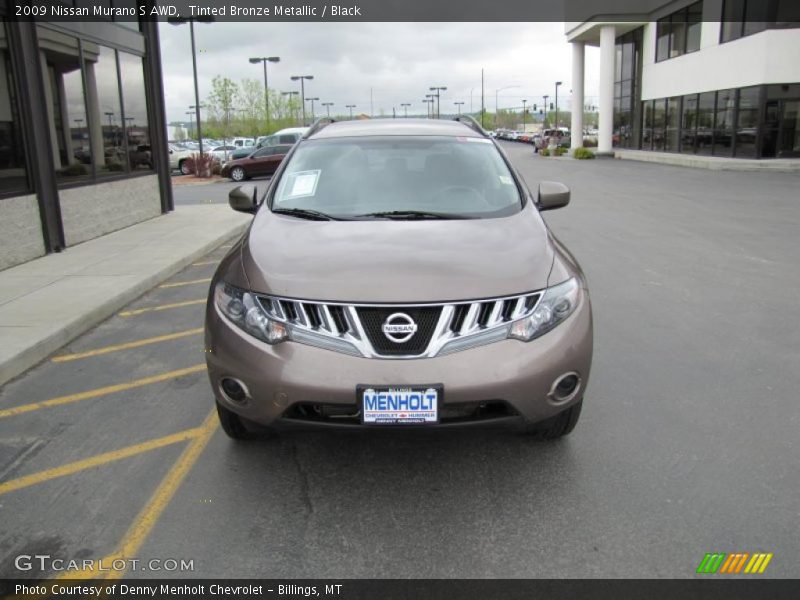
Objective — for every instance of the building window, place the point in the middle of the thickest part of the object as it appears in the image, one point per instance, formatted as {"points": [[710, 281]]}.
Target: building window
{"points": [[13, 174], [626, 94], [104, 64], [679, 33], [741, 18], [723, 122], [689, 124], [705, 122], [659, 115], [673, 115], [135, 104], [647, 127], [747, 122]]}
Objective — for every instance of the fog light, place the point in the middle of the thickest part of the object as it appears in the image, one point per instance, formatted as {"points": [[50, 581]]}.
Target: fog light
{"points": [[565, 387], [233, 389]]}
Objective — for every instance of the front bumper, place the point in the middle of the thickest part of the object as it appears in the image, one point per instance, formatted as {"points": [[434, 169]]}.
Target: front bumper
{"points": [[279, 379]]}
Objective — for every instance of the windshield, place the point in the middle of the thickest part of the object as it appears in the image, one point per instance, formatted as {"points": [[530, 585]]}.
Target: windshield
{"points": [[369, 177]]}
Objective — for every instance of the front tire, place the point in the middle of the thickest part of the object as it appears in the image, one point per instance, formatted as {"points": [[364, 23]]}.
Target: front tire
{"points": [[232, 423], [559, 426], [238, 174], [183, 166]]}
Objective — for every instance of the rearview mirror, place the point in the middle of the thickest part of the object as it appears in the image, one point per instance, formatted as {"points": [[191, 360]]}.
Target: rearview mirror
{"points": [[552, 194], [244, 198]]}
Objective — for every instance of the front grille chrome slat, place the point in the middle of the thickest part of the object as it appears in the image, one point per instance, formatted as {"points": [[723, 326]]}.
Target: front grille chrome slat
{"points": [[358, 329]]}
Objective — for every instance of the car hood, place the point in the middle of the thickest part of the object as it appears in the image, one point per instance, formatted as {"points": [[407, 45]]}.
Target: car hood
{"points": [[397, 261]]}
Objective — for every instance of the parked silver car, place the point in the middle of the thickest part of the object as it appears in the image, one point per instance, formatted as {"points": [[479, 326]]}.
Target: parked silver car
{"points": [[397, 273]]}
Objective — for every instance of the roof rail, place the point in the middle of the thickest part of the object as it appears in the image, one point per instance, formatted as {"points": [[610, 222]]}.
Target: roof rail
{"points": [[317, 125], [470, 122]]}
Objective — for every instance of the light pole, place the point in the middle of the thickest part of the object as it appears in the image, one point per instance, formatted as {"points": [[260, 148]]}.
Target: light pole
{"points": [[265, 59], [312, 100], [290, 94], [430, 100], [191, 124], [558, 83], [302, 79], [438, 90], [496, 94], [327, 106], [405, 106], [524, 102], [544, 124], [459, 105], [191, 21], [351, 107]]}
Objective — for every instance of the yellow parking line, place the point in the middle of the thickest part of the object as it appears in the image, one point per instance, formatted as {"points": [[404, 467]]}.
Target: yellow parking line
{"points": [[139, 311], [181, 283], [96, 393], [96, 461], [148, 517], [127, 345], [206, 262]]}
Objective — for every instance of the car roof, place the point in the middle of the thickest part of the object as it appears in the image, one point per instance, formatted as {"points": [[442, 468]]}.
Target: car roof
{"points": [[375, 127]]}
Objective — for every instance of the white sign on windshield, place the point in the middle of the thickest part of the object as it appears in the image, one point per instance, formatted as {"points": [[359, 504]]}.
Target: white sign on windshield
{"points": [[304, 183]]}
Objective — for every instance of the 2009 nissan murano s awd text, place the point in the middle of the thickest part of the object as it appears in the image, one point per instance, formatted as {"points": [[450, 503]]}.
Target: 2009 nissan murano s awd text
{"points": [[397, 274]]}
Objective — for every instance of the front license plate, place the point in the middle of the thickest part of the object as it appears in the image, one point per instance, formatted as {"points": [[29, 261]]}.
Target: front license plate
{"points": [[400, 405]]}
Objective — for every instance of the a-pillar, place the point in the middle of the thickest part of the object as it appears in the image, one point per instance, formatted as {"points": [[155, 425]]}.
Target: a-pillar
{"points": [[606, 104], [578, 54]]}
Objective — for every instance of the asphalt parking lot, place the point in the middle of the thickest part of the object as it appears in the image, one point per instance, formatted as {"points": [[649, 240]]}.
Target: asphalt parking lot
{"points": [[688, 442]]}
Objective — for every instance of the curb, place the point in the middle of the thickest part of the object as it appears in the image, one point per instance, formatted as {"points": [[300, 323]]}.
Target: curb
{"points": [[65, 333]]}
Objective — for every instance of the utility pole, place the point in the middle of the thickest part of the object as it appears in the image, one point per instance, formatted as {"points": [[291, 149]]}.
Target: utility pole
{"points": [[265, 60], [524, 102], [558, 83], [546, 107]]}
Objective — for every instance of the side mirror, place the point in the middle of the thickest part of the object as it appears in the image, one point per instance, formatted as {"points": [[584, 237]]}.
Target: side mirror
{"points": [[244, 198], [552, 194]]}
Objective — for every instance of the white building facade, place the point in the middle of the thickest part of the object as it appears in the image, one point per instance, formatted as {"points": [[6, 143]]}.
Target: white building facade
{"points": [[707, 77]]}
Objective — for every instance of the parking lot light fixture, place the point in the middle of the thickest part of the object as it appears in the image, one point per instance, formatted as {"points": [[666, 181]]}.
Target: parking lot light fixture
{"points": [[459, 105], [496, 97], [524, 102], [191, 21], [405, 106], [291, 94], [302, 79], [558, 83], [351, 107], [438, 90], [312, 100], [327, 106], [265, 59]]}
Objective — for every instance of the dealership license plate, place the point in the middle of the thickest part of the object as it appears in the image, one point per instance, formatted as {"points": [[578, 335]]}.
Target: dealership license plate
{"points": [[401, 405]]}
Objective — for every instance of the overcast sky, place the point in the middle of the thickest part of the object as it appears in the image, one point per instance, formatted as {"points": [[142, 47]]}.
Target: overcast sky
{"points": [[398, 61]]}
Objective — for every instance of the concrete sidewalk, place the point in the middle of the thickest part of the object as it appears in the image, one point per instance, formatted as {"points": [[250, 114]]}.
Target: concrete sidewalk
{"points": [[714, 163], [47, 302]]}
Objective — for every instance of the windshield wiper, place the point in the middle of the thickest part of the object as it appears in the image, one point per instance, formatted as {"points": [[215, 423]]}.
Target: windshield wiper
{"points": [[408, 215], [306, 213]]}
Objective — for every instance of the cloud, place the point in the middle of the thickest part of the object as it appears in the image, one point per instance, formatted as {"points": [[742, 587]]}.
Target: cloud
{"points": [[378, 66]]}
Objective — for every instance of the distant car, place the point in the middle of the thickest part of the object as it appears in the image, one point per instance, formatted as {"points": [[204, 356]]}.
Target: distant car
{"points": [[264, 161], [177, 159], [281, 137], [221, 153]]}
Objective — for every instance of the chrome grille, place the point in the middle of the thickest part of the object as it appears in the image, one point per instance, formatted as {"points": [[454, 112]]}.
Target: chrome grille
{"points": [[356, 329]]}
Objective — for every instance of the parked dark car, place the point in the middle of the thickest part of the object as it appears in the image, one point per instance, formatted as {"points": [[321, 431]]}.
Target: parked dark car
{"points": [[264, 161]]}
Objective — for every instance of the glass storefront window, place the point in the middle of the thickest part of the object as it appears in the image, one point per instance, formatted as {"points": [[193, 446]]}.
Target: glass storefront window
{"points": [[705, 122], [659, 114], [647, 128], [135, 104], [673, 116], [13, 174], [723, 122], [747, 122], [689, 124], [694, 24], [663, 30], [75, 146], [104, 65]]}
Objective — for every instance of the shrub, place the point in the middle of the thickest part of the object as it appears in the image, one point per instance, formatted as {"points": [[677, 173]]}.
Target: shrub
{"points": [[115, 165], [75, 170], [544, 152], [559, 151], [216, 168], [583, 154], [200, 165]]}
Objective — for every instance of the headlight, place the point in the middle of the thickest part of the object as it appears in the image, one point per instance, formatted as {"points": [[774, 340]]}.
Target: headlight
{"points": [[242, 308], [557, 303]]}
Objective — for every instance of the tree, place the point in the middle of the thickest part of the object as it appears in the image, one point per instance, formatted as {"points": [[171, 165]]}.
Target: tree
{"points": [[220, 107], [179, 133]]}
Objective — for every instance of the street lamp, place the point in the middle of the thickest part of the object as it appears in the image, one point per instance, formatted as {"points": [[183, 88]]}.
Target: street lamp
{"points": [[327, 106], [302, 79], [430, 100], [558, 83], [290, 94], [191, 124], [496, 93], [312, 107], [405, 106], [265, 59], [191, 21], [438, 89], [524, 102], [351, 107], [459, 105], [544, 124]]}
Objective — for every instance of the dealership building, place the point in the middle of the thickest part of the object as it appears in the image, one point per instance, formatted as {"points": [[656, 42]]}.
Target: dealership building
{"points": [[709, 77], [82, 133]]}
